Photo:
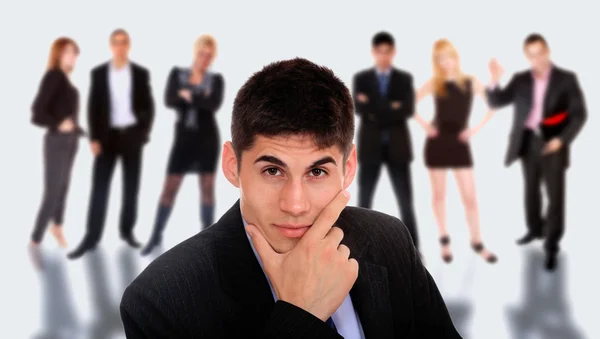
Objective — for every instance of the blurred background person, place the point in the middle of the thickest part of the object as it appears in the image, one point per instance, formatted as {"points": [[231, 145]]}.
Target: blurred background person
{"points": [[448, 136], [120, 117], [56, 108], [384, 100], [195, 93], [550, 111]]}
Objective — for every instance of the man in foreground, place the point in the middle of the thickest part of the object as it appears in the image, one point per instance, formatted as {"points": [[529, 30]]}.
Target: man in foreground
{"points": [[289, 259]]}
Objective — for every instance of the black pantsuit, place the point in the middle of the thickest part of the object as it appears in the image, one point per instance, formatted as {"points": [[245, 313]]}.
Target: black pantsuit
{"points": [[564, 114], [59, 155], [56, 100], [549, 170], [123, 144], [384, 138]]}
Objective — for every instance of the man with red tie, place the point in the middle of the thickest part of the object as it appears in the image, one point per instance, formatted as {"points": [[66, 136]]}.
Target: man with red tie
{"points": [[549, 113]]}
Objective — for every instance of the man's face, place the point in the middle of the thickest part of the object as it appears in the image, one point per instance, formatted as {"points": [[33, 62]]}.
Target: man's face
{"points": [[119, 46], [285, 182], [383, 55], [538, 55]]}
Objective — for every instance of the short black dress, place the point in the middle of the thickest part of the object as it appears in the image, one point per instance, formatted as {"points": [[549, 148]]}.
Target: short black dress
{"points": [[452, 112], [196, 144]]}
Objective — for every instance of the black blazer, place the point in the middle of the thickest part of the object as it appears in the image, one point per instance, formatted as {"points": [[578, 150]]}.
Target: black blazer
{"points": [[56, 100], [212, 286], [99, 103], [564, 111], [379, 114], [204, 106]]}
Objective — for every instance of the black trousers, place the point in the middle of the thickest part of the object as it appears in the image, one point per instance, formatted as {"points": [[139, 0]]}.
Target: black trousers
{"points": [[125, 145], [400, 175], [548, 169], [59, 154]]}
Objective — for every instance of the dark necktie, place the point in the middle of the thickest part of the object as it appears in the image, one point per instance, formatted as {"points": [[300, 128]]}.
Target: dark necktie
{"points": [[383, 84], [331, 324]]}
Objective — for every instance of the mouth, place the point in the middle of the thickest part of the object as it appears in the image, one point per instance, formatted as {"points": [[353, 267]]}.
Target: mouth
{"points": [[293, 231]]}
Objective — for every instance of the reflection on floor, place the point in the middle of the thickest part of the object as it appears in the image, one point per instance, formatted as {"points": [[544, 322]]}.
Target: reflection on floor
{"points": [[544, 309], [542, 312]]}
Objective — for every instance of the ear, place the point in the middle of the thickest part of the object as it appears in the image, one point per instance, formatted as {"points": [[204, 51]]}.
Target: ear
{"points": [[229, 164], [351, 163]]}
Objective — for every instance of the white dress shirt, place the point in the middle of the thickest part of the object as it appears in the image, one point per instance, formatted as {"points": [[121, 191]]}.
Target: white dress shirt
{"points": [[120, 86], [345, 318]]}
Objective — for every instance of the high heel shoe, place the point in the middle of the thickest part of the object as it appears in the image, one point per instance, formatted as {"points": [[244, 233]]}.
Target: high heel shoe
{"points": [[445, 242], [478, 248]]}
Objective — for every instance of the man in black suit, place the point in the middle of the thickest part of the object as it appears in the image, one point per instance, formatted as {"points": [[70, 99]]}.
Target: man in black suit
{"points": [[289, 259], [384, 100], [120, 116], [549, 113]]}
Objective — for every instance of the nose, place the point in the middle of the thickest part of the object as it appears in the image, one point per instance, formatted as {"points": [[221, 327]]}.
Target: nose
{"points": [[293, 199]]}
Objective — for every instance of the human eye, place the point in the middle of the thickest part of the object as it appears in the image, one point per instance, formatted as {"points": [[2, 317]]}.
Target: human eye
{"points": [[272, 172], [317, 173]]}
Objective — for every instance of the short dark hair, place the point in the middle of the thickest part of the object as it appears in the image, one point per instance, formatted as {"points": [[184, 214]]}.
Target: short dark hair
{"points": [[118, 31], [533, 38], [293, 97], [382, 38]]}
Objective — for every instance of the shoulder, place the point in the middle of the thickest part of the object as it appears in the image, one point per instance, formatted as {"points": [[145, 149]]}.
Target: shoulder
{"points": [[139, 68], [362, 74], [218, 77], [54, 75], [100, 68], [522, 75], [379, 228], [175, 272], [566, 73], [403, 74], [175, 70]]}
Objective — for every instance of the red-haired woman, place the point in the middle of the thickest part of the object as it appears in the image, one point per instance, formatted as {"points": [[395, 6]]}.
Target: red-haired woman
{"points": [[55, 108]]}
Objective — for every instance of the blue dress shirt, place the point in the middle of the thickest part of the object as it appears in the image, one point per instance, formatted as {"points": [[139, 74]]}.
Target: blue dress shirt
{"points": [[345, 318], [383, 77]]}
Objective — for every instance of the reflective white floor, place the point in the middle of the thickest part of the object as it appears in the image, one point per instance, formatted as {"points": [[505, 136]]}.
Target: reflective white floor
{"points": [[481, 304]]}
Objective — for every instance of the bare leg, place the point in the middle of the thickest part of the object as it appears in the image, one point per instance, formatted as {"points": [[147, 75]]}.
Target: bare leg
{"points": [[57, 232], [466, 186], [438, 196]]}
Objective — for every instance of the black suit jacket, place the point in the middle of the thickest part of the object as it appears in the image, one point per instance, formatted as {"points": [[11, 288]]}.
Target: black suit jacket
{"points": [[563, 95], [212, 286], [99, 103], [56, 100], [378, 114]]}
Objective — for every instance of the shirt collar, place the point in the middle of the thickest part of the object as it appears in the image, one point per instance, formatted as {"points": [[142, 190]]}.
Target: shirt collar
{"points": [[544, 76], [385, 72], [114, 68], [258, 258]]}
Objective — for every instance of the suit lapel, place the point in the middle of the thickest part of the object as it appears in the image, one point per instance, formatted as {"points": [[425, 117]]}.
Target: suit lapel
{"points": [[371, 293], [241, 275], [374, 80], [104, 81], [553, 84]]}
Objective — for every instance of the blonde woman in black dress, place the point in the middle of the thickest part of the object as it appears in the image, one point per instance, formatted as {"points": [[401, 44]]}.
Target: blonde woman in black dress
{"points": [[447, 146], [195, 93]]}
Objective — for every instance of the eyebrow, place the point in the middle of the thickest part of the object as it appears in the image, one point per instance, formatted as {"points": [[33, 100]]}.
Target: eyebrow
{"points": [[276, 161]]}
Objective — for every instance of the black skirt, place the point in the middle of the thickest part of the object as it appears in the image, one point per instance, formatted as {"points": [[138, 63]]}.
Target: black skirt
{"points": [[194, 150]]}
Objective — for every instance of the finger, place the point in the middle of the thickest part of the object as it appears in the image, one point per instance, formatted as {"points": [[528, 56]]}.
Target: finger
{"points": [[261, 245], [327, 217], [353, 268], [335, 236], [344, 250]]}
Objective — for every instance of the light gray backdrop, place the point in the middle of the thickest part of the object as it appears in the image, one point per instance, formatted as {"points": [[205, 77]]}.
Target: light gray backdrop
{"points": [[332, 33]]}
